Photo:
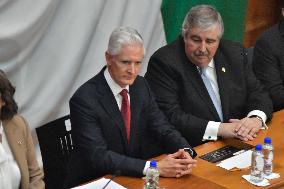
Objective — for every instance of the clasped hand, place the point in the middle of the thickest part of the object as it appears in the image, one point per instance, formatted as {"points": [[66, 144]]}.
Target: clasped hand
{"points": [[244, 129], [176, 164]]}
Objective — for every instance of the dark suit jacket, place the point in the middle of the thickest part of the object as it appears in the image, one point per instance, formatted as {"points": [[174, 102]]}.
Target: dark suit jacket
{"points": [[268, 63], [182, 96], [99, 135]]}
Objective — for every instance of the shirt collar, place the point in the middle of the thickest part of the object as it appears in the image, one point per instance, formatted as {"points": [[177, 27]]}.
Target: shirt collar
{"points": [[115, 88], [211, 64]]}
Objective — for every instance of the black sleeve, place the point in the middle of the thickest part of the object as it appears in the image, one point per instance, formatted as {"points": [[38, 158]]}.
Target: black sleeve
{"points": [[266, 66], [258, 98]]}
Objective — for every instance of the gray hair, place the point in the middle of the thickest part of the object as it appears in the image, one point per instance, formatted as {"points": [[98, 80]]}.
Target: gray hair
{"points": [[123, 36], [203, 16]]}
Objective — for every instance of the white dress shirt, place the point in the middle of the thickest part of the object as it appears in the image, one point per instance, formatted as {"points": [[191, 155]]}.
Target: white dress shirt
{"points": [[115, 88], [10, 176], [212, 127]]}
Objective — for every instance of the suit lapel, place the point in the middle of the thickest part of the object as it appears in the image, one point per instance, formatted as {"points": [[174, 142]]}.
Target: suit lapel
{"points": [[201, 89], [222, 80], [197, 82], [135, 114], [107, 100]]}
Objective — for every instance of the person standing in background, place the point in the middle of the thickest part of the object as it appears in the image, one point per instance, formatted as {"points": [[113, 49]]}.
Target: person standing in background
{"points": [[268, 61]]}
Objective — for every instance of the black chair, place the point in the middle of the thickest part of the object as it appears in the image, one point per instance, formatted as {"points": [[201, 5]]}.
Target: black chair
{"points": [[55, 143]]}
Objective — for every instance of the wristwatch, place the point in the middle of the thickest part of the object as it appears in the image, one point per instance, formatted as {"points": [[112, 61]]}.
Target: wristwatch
{"points": [[191, 152]]}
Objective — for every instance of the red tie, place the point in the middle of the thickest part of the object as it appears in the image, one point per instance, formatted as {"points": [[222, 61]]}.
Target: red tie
{"points": [[126, 112]]}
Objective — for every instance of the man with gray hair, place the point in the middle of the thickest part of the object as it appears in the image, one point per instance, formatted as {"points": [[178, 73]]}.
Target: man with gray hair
{"points": [[204, 84], [114, 114]]}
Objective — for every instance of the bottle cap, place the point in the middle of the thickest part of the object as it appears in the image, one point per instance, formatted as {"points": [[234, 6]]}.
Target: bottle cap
{"points": [[258, 147], [153, 163], [267, 140]]}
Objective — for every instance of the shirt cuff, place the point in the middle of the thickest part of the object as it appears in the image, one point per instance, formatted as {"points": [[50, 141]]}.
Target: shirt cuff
{"points": [[147, 165], [211, 131], [260, 114]]}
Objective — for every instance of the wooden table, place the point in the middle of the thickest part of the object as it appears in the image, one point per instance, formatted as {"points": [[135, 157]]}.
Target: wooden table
{"points": [[189, 181], [208, 175], [229, 179]]}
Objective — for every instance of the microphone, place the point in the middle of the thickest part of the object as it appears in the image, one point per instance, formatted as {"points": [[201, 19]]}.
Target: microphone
{"points": [[116, 173]]}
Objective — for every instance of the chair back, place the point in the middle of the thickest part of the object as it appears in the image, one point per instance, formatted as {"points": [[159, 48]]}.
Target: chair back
{"points": [[56, 145]]}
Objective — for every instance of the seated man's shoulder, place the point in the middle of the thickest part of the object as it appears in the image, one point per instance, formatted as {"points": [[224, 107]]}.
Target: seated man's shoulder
{"points": [[232, 50], [270, 32], [90, 88], [169, 56], [270, 37], [229, 44], [140, 83], [171, 48]]}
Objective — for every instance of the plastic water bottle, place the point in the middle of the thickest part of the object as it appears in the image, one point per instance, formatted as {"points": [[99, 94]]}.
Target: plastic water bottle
{"points": [[152, 176], [268, 156], [257, 164]]}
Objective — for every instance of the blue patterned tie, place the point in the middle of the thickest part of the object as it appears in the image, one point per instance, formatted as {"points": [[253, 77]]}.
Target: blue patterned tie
{"points": [[210, 90]]}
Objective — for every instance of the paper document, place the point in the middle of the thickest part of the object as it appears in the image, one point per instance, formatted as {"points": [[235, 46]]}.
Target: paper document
{"points": [[240, 161], [99, 184]]}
